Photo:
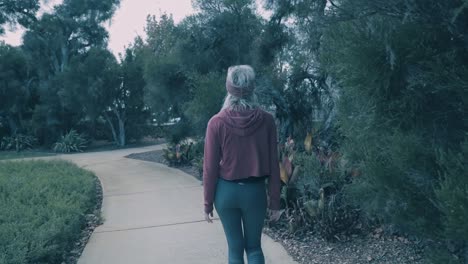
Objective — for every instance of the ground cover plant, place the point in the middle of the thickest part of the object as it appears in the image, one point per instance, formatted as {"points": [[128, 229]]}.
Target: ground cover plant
{"points": [[43, 209]]}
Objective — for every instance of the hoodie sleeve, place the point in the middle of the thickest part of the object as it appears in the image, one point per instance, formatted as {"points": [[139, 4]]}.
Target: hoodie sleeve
{"points": [[274, 182], [212, 157]]}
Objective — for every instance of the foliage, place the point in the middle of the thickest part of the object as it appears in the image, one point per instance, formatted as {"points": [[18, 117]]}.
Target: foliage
{"points": [[198, 152], [16, 88], [54, 41], [325, 198], [208, 93], [18, 142], [71, 142], [185, 64], [315, 195], [452, 192], [8, 155], [402, 104], [130, 102], [198, 164], [18, 11], [166, 79], [179, 154], [301, 88], [44, 205], [98, 86], [382, 83]]}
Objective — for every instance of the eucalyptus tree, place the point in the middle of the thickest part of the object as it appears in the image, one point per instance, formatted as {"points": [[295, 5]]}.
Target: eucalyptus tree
{"points": [[16, 87], [402, 68], [400, 72], [22, 12], [305, 91], [71, 30], [184, 61]]}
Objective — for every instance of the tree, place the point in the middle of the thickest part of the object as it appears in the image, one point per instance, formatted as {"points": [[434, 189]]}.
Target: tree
{"points": [[304, 92], [18, 11], [228, 31], [208, 93], [97, 86], [129, 107], [393, 75], [403, 77], [186, 63], [16, 82], [52, 42], [166, 79]]}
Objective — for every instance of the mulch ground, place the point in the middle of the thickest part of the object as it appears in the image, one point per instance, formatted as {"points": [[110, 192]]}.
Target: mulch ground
{"points": [[157, 156], [371, 247]]}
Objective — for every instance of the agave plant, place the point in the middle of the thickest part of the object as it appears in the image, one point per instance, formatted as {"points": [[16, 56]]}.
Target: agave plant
{"points": [[71, 142]]}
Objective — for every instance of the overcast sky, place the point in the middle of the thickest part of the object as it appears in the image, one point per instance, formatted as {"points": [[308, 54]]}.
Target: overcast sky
{"points": [[128, 22]]}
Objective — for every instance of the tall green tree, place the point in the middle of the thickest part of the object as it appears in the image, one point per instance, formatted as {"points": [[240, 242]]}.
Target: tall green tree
{"points": [[18, 11], [166, 78], [187, 62], [16, 87], [133, 110], [403, 77], [96, 85], [71, 30], [303, 90], [227, 32], [392, 73]]}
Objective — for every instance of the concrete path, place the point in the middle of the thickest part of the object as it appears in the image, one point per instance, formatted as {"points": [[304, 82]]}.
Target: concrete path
{"points": [[153, 215]]}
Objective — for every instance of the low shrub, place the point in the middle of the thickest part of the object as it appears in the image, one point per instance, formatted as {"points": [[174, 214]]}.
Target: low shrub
{"points": [[198, 152], [314, 191], [43, 210], [183, 153], [179, 154], [18, 143], [71, 142]]}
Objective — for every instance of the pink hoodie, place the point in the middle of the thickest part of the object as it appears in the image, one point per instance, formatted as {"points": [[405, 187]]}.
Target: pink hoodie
{"points": [[239, 145]]}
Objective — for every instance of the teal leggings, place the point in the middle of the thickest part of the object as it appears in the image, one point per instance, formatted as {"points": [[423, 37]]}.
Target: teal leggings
{"points": [[242, 205]]}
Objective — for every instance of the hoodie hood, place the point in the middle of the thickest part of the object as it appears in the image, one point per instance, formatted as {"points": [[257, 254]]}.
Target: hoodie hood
{"points": [[242, 123]]}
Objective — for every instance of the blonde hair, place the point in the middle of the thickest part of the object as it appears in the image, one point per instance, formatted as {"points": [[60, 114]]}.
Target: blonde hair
{"points": [[242, 76]]}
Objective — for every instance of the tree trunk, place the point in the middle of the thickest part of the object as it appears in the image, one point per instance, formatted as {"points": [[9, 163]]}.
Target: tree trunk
{"points": [[114, 134], [465, 252], [121, 120], [12, 124], [64, 63]]}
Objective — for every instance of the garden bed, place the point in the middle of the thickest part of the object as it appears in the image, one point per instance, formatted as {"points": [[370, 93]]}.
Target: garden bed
{"points": [[365, 248], [49, 210], [157, 156], [308, 248]]}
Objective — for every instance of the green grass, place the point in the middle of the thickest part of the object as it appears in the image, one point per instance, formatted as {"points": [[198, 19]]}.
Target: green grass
{"points": [[42, 209], [6, 155]]}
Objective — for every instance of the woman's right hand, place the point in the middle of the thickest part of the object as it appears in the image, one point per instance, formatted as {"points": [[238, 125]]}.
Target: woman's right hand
{"points": [[274, 215]]}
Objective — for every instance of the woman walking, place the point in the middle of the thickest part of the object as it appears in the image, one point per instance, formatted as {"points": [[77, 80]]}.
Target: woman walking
{"points": [[240, 154]]}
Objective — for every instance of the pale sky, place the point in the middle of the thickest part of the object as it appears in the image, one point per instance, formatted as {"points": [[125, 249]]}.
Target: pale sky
{"points": [[128, 21]]}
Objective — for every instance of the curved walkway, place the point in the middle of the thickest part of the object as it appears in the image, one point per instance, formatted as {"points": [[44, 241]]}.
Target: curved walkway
{"points": [[153, 215]]}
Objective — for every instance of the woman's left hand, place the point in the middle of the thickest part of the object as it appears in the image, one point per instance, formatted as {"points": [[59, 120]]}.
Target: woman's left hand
{"points": [[207, 217]]}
